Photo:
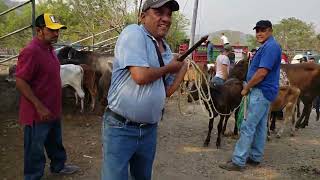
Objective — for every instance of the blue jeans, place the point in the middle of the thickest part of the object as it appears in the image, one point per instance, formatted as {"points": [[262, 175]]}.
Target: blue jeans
{"points": [[37, 137], [217, 81], [124, 145], [253, 131]]}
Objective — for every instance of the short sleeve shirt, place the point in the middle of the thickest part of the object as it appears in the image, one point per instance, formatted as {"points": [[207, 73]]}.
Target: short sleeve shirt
{"points": [[222, 60], [268, 56], [39, 66], [138, 103], [224, 39]]}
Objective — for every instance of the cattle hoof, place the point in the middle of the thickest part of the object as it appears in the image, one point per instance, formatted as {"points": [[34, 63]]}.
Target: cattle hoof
{"points": [[278, 136], [235, 136], [292, 134], [228, 134], [218, 145]]}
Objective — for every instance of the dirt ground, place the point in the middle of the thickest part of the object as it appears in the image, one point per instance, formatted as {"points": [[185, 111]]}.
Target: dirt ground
{"points": [[180, 155]]}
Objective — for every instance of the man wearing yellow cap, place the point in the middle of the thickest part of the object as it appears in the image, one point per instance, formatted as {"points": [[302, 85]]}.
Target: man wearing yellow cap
{"points": [[38, 80]]}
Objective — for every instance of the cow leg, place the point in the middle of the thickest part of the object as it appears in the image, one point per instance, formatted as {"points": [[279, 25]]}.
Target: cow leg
{"points": [[317, 106], [273, 121], [298, 124], [268, 126], [76, 97], [225, 125], [80, 93], [207, 141], [293, 128], [218, 142], [93, 93], [93, 102], [298, 108], [235, 129], [307, 115], [288, 111]]}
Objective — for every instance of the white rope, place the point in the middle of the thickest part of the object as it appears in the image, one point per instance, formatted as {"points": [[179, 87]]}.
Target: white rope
{"points": [[203, 100]]}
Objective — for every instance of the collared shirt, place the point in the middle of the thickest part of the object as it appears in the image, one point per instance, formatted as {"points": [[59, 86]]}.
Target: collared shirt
{"points": [[40, 68], [138, 103], [268, 56]]}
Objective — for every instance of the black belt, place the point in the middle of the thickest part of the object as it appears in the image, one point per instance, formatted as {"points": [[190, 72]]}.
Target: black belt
{"points": [[124, 120]]}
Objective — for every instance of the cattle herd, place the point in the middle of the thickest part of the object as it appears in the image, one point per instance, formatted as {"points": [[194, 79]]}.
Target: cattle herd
{"points": [[90, 72], [301, 83], [84, 71]]}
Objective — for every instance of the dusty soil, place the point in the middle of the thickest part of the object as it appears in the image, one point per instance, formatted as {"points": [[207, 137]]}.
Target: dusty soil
{"points": [[180, 155]]}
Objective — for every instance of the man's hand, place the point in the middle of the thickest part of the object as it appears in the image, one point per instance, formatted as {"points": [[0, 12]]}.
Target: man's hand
{"points": [[245, 91], [175, 65], [26, 91], [43, 112]]}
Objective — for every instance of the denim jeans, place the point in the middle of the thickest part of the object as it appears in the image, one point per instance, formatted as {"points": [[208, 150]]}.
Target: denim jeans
{"points": [[37, 137], [217, 81], [253, 131], [124, 146]]}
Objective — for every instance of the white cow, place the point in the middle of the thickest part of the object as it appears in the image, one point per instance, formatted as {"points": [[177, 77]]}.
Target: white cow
{"points": [[72, 75]]}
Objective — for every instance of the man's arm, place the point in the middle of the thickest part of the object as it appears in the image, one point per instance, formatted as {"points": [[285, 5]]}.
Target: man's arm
{"points": [[224, 69], [146, 75], [26, 91], [256, 79], [177, 81]]}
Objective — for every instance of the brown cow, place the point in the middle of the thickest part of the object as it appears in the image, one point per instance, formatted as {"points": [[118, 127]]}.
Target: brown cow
{"points": [[286, 99], [100, 63], [225, 98], [89, 83], [306, 77]]}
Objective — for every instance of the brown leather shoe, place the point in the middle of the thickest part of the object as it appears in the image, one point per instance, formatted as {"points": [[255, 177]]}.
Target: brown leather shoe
{"points": [[230, 166]]}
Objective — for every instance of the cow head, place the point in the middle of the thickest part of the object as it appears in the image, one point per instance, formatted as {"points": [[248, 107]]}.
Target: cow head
{"points": [[239, 70], [65, 54]]}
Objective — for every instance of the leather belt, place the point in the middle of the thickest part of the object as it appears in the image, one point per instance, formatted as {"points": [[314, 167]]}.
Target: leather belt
{"points": [[124, 120]]}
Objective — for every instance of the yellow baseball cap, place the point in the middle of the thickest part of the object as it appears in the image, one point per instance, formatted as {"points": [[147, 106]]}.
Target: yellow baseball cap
{"points": [[50, 21]]}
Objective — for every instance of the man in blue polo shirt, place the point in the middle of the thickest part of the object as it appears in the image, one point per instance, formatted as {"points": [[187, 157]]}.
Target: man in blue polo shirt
{"points": [[262, 88], [144, 73]]}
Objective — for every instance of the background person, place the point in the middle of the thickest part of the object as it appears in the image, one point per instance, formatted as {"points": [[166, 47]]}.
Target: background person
{"points": [[38, 81]]}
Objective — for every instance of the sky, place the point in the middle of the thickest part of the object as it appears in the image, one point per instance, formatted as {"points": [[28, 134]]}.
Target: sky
{"points": [[241, 15]]}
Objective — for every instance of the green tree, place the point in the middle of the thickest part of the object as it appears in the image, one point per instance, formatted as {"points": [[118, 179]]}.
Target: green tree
{"points": [[252, 42], [177, 33], [83, 18], [294, 34]]}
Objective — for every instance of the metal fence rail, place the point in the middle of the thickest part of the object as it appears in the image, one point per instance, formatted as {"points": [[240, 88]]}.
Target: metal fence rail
{"points": [[22, 29], [97, 45]]}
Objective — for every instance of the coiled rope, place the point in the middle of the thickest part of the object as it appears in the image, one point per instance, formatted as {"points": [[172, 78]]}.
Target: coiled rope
{"points": [[204, 99]]}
